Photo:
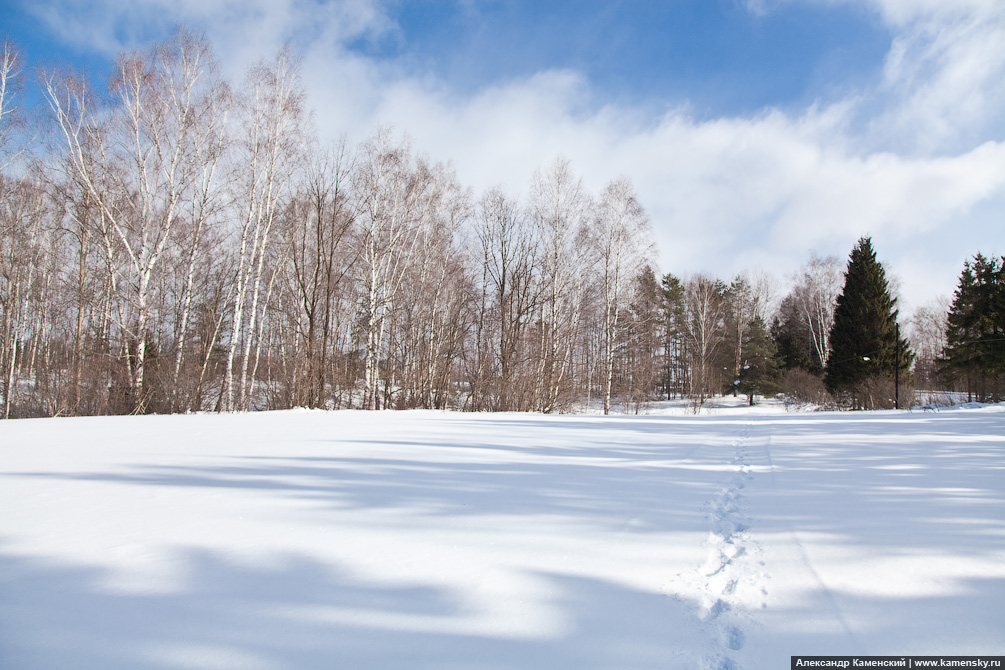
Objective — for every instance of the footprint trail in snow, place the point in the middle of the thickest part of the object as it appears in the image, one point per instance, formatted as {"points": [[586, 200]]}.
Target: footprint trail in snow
{"points": [[732, 577]]}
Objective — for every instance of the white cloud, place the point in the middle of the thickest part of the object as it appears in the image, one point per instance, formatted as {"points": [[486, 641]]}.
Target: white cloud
{"points": [[943, 89], [725, 194], [242, 30], [945, 71]]}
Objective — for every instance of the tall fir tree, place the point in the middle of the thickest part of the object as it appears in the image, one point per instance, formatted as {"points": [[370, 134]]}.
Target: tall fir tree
{"points": [[865, 349], [974, 356]]}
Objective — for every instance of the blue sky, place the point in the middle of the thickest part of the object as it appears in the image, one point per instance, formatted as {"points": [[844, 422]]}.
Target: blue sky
{"points": [[716, 55], [754, 130]]}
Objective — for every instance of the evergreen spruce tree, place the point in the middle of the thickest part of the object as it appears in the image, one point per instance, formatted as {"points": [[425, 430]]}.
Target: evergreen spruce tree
{"points": [[975, 332], [864, 346], [792, 340], [759, 368]]}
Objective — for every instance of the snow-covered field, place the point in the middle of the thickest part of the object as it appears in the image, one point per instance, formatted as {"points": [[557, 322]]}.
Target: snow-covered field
{"points": [[355, 540]]}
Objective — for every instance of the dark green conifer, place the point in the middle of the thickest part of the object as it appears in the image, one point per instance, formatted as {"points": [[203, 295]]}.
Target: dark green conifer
{"points": [[975, 332], [759, 369], [792, 339], [865, 349]]}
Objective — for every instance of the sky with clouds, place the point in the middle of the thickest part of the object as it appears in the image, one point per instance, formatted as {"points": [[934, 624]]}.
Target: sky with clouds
{"points": [[756, 131]]}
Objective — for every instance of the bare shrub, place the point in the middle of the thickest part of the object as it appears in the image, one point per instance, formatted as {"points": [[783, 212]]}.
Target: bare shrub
{"points": [[881, 393], [802, 388]]}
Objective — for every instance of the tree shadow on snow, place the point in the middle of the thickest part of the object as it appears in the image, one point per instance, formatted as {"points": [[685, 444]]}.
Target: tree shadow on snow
{"points": [[301, 613]]}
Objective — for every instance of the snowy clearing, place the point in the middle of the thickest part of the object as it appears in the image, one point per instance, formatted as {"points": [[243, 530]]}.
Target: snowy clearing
{"points": [[301, 539]]}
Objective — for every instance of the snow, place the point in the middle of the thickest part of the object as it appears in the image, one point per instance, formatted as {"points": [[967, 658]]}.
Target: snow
{"points": [[302, 539]]}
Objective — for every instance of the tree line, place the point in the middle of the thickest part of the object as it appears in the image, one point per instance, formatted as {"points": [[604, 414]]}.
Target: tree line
{"points": [[172, 243]]}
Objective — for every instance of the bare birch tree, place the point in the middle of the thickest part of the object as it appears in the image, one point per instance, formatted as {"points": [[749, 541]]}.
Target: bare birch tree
{"points": [[622, 236], [12, 226], [508, 253], [739, 311], [704, 304], [204, 200], [22, 213], [644, 340], [271, 129], [319, 229], [928, 340], [817, 287], [11, 117], [136, 162], [560, 207], [434, 321], [392, 191]]}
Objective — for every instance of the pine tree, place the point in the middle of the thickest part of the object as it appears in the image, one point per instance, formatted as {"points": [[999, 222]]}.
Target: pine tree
{"points": [[975, 333], [865, 348], [759, 369]]}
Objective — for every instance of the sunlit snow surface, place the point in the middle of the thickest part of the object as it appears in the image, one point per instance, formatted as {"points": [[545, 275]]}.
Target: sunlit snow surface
{"points": [[357, 540]]}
